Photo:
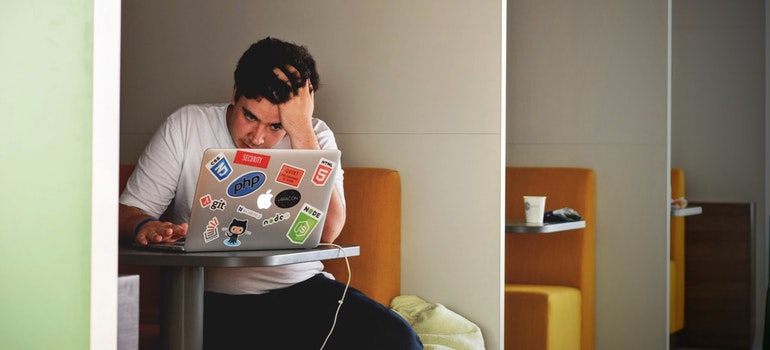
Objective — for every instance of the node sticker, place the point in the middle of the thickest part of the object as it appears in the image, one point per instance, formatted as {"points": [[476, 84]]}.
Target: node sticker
{"points": [[220, 167], [322, 171], [304, 223], [211, 232], [290, 175], [252, 159]]}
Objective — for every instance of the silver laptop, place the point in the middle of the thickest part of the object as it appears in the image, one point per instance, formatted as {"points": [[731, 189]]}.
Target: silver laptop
{"points": [[252, 199]]}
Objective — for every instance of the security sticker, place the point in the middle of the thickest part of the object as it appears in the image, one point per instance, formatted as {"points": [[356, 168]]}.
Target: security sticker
{"points": [[251, 159], [304, 223], [211, 232], [323, 171], [220, 167], [290, 175]]}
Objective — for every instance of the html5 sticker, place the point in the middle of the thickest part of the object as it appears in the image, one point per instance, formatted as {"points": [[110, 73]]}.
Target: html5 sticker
{"points": [[323, 171], [290, 175]]}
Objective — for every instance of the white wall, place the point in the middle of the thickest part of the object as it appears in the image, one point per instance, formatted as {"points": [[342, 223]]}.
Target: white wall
{"points": [[718, 112], [587, 87], [413, 86]]}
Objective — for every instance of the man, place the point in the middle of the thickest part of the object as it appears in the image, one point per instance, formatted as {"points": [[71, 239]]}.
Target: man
{"points": [[294, 305]]}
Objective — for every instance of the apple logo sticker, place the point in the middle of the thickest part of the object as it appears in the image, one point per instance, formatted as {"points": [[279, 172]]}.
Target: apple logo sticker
{"points": [[263, 201], [287, 198]]}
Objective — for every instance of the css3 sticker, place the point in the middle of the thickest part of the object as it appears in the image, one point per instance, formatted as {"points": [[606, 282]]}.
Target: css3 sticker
{"points": [[219, 167]]}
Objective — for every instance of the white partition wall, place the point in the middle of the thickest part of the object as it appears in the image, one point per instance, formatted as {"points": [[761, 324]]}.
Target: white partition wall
{"points": [[587, 87]]}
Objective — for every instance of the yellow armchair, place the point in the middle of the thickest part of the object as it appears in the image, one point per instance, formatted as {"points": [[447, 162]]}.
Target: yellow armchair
{"points": [[550, 278]]}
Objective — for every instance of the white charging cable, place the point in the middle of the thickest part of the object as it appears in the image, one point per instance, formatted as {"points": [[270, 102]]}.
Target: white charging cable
{"points": [[344, 292]]}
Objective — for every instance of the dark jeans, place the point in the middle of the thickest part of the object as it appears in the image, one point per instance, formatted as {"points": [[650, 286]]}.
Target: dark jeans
{"points": [[300, 317]]}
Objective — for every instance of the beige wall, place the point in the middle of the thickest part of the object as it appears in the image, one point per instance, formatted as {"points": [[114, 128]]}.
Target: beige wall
{"points": [[587, 87], [413, 86], [718, 112]]}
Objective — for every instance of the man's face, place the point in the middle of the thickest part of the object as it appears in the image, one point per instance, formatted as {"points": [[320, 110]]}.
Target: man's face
{"points": [[254, 123]]}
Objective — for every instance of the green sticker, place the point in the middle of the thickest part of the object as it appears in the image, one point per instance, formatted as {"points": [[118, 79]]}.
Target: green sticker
{"points": [[304, 223]]}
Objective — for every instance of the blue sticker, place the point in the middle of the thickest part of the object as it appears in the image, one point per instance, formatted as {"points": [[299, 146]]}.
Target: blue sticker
{"points": [[220, 167], [246, 184]]}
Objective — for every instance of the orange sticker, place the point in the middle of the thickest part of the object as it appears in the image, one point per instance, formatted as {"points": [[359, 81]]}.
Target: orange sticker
{"points": [[290, 175]]}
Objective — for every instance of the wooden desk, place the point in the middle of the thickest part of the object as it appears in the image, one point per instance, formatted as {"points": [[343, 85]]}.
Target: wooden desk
{"points": [[520, 226], [182, 282]]}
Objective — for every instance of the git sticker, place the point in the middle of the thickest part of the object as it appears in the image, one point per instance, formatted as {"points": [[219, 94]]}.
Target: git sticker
{"points": [[290, 175], [322, 171], [211, 232], [304, 223], [219, 167]]}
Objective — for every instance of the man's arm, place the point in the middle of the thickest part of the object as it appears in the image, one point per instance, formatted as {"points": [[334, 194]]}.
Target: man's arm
{"points": [[335, 218], [296, 119], [152, 231]]}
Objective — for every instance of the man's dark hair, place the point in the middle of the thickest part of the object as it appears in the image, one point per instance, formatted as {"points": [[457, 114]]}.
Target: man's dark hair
{"points": [[254, 76]]}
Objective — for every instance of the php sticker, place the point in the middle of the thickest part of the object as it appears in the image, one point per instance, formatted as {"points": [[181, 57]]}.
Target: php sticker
{"points": [[323, 171], [290, 175], [304, 223], [246, 184], [220, 167]]}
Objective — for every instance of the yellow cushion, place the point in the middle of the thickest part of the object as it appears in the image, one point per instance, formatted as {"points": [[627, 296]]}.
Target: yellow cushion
{"points": [[542, 317]]}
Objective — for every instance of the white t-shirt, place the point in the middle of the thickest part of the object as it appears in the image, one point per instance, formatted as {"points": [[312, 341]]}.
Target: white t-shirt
{"points": [[166, 175]]}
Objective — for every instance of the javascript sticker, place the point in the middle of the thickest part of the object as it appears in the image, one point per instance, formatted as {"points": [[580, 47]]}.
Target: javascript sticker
{"points": [[304, 223]]}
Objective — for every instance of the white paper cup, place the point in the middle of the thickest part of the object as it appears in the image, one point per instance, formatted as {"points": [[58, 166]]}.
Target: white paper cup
{"points": [[534, 209]]}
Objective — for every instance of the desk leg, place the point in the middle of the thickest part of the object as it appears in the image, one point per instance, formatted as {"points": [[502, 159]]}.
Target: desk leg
{"points": [[182, 308]]}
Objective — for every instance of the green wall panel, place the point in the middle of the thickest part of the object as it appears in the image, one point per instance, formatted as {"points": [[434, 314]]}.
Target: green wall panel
{"points": [[45, 184]]}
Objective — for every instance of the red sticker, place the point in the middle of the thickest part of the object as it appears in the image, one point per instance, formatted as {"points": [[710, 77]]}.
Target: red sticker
{"points": [[251, 159], [206, 201], [290, 175], [322, 171]]}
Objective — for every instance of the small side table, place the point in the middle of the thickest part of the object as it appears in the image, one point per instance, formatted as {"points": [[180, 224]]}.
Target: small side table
{"points": [[520, 226]]}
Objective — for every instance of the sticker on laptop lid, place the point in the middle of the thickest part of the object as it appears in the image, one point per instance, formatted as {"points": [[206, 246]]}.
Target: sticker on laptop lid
{"points": [[219, 167], [234, 231], [290, 175], [323, 171], [212, 231], [243, 210], [287, 198], [304, 223], [246, 184], [251, 159]]}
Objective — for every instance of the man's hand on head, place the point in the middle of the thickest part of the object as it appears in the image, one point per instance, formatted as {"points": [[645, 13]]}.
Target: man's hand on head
{"points": [[297, 112]]}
